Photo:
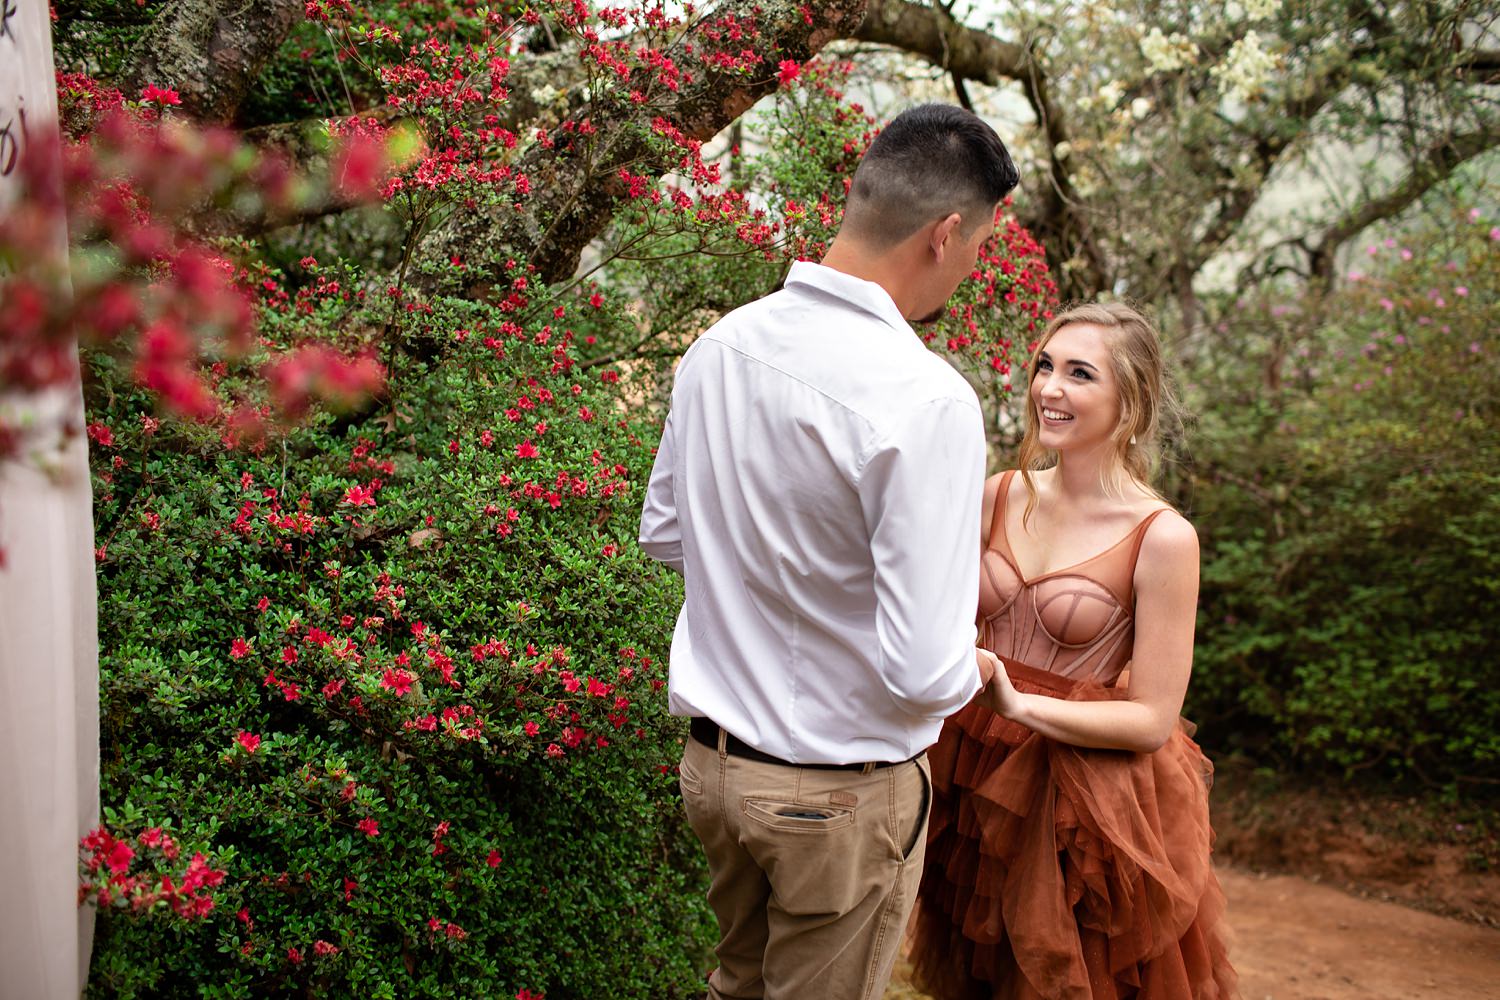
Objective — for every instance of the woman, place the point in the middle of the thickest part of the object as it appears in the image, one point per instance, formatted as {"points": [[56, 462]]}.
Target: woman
{"points": [[1068, 853]]}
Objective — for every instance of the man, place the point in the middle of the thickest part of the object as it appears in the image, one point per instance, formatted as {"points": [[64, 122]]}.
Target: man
{"points": [[818, 485]]}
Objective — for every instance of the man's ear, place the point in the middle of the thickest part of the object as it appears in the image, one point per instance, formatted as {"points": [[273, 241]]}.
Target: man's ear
{"points": [[944, 228]]}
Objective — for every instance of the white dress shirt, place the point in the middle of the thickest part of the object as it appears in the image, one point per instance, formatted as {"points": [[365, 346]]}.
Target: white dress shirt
{"points": [[818, 485]]}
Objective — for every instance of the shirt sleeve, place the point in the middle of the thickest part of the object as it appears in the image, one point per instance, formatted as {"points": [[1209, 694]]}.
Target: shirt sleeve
{"points": [[921, 491], [661, 535]]}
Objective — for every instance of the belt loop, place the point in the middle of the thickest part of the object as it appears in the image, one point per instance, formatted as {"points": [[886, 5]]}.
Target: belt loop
{"points": [[723, 743], [869, 767]]}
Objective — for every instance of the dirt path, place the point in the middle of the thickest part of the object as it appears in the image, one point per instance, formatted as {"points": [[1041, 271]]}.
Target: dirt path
{"points": [[1298, 940], [1295, 939]]}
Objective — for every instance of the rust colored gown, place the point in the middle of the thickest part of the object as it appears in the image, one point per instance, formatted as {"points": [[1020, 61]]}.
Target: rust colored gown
{"points": [[1060, 872]]}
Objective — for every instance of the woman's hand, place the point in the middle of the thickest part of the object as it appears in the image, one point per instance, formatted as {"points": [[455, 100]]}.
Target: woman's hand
{"points": [[1001, 695]]}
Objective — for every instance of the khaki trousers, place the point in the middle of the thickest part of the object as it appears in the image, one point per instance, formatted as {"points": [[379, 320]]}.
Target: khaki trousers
{"points": [[813, 872]]}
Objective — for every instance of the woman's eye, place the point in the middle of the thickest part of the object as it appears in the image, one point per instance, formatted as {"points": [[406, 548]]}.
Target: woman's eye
{"points": [[1044, 366], [1082, 373]]}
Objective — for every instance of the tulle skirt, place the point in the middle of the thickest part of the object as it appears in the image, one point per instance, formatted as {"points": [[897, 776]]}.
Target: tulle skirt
{"points": [[1064, 873]]}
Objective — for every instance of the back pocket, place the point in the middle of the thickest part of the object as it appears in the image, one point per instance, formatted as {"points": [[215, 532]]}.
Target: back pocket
{"points": [[797, 817]]}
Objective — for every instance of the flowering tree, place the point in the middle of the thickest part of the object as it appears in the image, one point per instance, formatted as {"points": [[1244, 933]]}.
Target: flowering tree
{"points": [[1159, 129]]}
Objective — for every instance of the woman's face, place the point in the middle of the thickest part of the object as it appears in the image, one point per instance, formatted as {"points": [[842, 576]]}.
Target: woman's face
{"points": [[1074, 391]]}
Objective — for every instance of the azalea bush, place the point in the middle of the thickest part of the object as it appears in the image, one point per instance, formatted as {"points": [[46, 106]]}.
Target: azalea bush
{"points": [[1345, 480], [400, 677]]}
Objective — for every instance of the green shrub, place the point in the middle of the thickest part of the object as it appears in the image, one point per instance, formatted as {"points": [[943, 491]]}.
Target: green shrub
{"points": [[1351, 518], [313, 590]]}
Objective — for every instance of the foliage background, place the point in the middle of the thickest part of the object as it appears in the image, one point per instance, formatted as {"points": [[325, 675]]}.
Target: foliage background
{"points": [[386, 833]]}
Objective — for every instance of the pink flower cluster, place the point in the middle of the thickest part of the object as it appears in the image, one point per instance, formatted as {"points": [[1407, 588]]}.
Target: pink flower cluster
{"points": [[117, 875]]}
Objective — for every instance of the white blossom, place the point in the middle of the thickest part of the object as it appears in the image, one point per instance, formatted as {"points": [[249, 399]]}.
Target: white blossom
{"points": [[1111, 92], [1167, 53], [1246, 68], [1261, 9]]}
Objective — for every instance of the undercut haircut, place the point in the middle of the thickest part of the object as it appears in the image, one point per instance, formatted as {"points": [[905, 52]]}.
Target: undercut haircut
{"points": [[927, 163]]}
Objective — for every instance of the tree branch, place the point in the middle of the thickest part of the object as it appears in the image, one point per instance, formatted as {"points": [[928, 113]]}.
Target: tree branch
{"points": [[934, 35], [1434, 166]]}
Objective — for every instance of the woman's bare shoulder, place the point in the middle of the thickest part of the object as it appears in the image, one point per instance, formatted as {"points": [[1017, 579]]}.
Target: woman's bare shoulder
{"points": [[1170, 543]]}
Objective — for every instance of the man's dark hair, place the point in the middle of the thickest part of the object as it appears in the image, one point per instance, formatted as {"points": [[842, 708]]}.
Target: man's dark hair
{"points": [[928, 162]]}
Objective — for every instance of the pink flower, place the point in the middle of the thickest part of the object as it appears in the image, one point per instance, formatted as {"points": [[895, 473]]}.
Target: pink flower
{"points": [[160, 95], [531, 728], [526, 450], [249, 741]]}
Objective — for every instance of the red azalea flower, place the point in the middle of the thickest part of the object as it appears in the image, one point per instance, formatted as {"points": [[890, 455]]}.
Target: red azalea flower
{"points": [[359, 496], [249, 741], [119, 856], [398, 681], [787, 71], [526, 450], [160, 95], [369, 828], [239, 649]]}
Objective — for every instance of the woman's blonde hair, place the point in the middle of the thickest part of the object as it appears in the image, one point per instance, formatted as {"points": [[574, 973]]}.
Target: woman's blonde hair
{"points": [[1147, 401]]}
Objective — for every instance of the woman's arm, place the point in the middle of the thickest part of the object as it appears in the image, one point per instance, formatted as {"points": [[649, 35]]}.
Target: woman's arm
{"points": [[1166, 610], [987, 510]]}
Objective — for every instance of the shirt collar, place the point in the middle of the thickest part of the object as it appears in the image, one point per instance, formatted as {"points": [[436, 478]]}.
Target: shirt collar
{"points": [[858, 292]]}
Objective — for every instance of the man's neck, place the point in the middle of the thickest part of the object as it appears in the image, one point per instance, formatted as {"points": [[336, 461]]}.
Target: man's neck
{"points": [[890, 269]]}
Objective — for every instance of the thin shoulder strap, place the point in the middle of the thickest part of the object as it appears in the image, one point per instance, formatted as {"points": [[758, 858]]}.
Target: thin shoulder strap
{"points": [[1140, 536], [997, 516]]}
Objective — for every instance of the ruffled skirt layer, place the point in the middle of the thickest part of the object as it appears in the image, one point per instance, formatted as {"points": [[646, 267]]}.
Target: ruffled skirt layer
{"points": [[1057, 872]]}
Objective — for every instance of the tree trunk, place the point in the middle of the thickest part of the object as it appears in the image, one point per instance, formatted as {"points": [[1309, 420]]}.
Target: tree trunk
{"points": [[210, 51]]}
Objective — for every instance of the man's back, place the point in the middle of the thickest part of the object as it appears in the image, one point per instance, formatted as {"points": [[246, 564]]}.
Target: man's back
{"points": [[818, 464]]}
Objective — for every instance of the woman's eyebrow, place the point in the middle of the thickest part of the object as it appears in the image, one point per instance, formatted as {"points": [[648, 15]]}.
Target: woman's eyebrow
{"points": [[1074, 361]]}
